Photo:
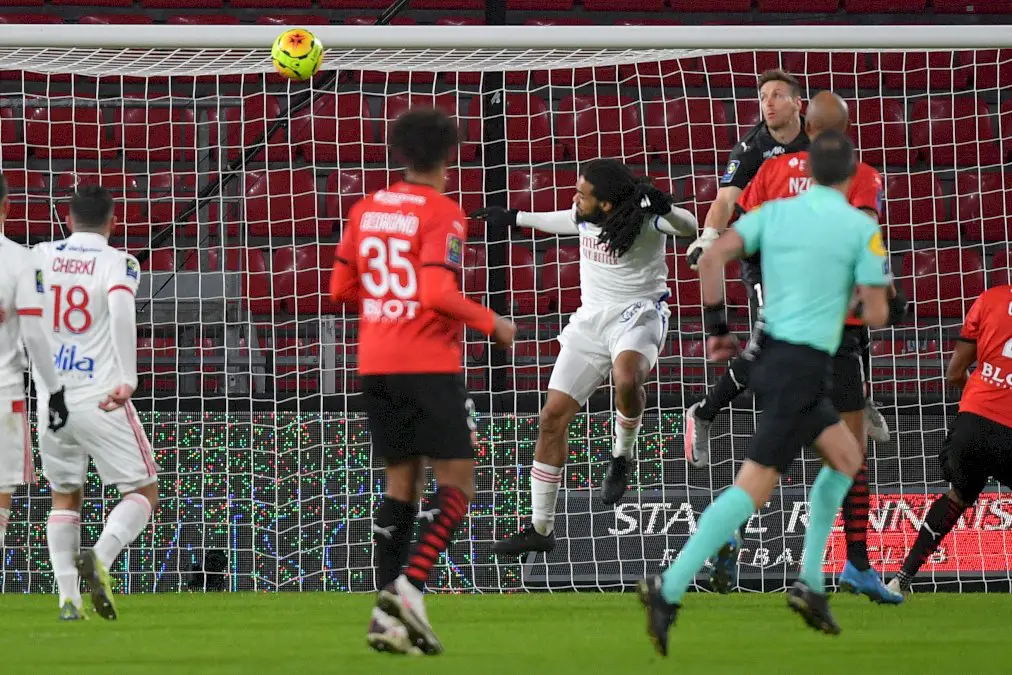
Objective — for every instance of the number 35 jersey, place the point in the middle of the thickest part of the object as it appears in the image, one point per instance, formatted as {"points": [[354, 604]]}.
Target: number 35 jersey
{"points": [[80, 273]]}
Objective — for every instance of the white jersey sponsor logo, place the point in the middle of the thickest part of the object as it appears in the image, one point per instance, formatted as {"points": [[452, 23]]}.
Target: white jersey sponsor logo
{"points": [[606, 279]]}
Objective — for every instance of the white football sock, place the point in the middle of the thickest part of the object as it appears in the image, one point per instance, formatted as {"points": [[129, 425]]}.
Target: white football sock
{"points": [[626, 431], [126, 521], [545, 482], [63, 530], [5, 516]]}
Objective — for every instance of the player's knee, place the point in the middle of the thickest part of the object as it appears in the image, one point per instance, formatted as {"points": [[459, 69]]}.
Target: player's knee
{"points": [[148, 491], [962, 497], [554, 419], [628, 383]]}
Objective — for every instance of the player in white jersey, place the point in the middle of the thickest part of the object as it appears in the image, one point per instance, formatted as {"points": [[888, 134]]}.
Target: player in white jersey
{"points": [[623, 223], [90, 289], [21, 320]]}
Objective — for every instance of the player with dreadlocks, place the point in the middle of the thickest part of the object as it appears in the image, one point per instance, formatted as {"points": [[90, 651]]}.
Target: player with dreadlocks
{"points": [[623, 223]]}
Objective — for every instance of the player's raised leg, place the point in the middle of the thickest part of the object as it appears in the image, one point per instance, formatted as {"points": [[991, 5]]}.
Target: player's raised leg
{"points": [[629, 375]]}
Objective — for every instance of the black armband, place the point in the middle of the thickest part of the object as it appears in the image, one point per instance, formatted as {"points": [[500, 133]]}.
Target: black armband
{"points": [[897, 308], [715, 320]]}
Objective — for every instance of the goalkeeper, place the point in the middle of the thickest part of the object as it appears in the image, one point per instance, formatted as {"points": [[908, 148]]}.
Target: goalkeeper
{"points": [[807, 298]]}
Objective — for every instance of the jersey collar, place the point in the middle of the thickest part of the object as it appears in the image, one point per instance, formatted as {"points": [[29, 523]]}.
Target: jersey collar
{"points": [[92, 238]]}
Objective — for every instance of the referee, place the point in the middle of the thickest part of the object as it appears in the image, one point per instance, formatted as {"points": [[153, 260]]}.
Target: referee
{"points": [[816, 248]]}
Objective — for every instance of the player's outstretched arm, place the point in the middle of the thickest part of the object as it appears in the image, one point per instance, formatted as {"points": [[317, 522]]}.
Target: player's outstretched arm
{"points": [[438, 292], [717, 218], [551, 222], [963, 357], [720, 344]]}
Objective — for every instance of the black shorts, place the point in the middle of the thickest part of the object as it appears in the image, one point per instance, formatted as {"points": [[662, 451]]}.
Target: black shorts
{"points": [[976, 449], [850, 370], [792, 383], [418, 415]]}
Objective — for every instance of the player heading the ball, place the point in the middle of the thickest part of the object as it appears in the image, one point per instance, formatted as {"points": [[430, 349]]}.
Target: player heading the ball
{"points": [[90, 289], [807, 298], [623, 222], [399, 259]]}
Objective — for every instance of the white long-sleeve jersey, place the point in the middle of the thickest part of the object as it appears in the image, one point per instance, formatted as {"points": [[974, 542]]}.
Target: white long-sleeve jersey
{"points": [[22, 316], [90, 289], [606, 279]]}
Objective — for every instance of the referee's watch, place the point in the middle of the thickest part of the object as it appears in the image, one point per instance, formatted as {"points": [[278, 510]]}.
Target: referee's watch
{"points": [[715, 320]]}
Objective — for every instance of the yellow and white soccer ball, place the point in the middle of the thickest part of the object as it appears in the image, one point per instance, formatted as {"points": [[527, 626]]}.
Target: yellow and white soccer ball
{"points": [[297, 54]]}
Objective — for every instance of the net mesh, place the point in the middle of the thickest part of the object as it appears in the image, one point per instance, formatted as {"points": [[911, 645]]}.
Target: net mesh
{"points": [[246, 366]]}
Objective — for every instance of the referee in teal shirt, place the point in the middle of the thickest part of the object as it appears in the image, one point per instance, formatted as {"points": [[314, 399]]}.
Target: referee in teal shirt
{"points": [[816, 249]]}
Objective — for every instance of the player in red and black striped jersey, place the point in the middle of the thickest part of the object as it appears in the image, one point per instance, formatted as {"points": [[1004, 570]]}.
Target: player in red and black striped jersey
{"points": [[784, 177], [399, 258], [979, 443]]}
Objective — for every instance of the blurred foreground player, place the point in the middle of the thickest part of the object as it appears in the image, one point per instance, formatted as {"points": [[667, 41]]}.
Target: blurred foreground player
{"points": [[90, 289], [788, 176], [979, 443], [400, 257], [22, 298], [623, 222], [816, 249]]}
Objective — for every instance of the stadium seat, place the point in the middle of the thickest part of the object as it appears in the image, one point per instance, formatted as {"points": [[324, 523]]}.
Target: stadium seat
{"points": [[461, 21], [292, 19], [945, 130], [878, 127], [245, 125], [467, 188], [971, 6], [161, 260], [12, 147], [112, 19], [676, 74], [170, 192], [130, 209], [791, 6], [523, 298], [739, 69], [1001, 269], [685, 300], [336, 131], [157, 132], [295, 277], [735, 293], [699, 194], [540, 5], [347, 186], [1005, 119], [296, 364], [715, 6], [992, 68], [624, 5], [747, 114], [688, 131], [563, 77], [272, 4], [915, 209], [916, 71], [542, 189], [942, 282], [30, 18], [282, 203], [882, 6], [475, 273], [560, 279], [396, 105], [984, 205], [69, 132], [313, 267], [29, 211], [528, 128], [830, 70], [195, 19], [354, 4]]}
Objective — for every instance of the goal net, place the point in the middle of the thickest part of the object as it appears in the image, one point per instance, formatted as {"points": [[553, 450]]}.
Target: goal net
{"points": [[234, 186]]}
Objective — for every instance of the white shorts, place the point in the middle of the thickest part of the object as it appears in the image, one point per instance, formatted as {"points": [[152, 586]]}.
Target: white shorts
{"points": [[115, 441], [17, 466], [595, 337]]}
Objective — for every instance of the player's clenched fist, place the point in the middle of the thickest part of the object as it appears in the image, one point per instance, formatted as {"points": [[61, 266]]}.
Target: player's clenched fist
{"points": [[117, 398], [504, 332], [700, 246], [496, 215]]}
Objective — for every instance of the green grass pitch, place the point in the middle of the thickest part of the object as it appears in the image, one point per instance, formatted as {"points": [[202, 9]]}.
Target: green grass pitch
{"points": [[585, 634]]}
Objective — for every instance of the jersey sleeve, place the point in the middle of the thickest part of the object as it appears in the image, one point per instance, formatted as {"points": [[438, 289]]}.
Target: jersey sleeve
{"points": [[30, 293], [742, 165], [971, 326], [866, 190], [872, 266], [749, 227], [347, 249], [755, 192], [442, 242], [125, 275]]}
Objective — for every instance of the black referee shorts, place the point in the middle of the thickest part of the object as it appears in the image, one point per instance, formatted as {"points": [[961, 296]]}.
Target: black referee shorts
{"points": [[850, 370], [975, 449], [418, 415], [792, 383]]}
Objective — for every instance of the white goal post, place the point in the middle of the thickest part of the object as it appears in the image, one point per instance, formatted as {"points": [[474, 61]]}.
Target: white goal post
{"points": [[248, 373]]}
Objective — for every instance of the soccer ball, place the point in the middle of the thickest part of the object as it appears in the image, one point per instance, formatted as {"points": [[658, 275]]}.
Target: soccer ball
{"points": [[297, 54]]}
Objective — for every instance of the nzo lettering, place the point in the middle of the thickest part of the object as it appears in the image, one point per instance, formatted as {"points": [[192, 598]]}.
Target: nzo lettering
{"points": [[68, 361]]}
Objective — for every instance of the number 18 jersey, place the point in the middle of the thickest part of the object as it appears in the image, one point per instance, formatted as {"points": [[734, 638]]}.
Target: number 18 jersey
{"points": [[80, 273]]}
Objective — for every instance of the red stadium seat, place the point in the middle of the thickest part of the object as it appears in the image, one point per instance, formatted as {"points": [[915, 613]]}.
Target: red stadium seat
{"points": [[347, 186], [540, 5], [161, 260], [30, 18], [247, 124], [747, 114], [685, 131], [461, 21], [992, 68], [157, 133], [336, 131], [878, 127], [935, 71], [564, 77], [396, 105], [29, 206], [1006, 128], [831, 70], [741, 69], [256, 280], [971, 6], [984, 205], [529, 136], [113, 19], [195, 19], [700, 193], [735, 293], [915, 209], [130, 209], [291, 19], [791, 6], [685, 300], [945, 130], [354, 4], [624, 5], [882, 6], [943, 282], [271, 4], [12, 147], [523, 297], [1001, 269], [675, 74], [447, 4], [560, 279], [297, 364], [467, 188], [282, 203], [301, 278], [170, 192], [715, 6], [81, 132], [542, 189], [475, 273]]}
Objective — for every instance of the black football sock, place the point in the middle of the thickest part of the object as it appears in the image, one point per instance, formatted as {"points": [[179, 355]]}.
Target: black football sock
{"points": [[855, 520], [942, 517], [448, 508], [731, 383], [391, 533]]}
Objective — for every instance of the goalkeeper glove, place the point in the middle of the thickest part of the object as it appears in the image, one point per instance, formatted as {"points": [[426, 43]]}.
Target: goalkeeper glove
{"points": [[655, 201], [897, 308], [700, 246], [497, 215], [58, 412]]}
